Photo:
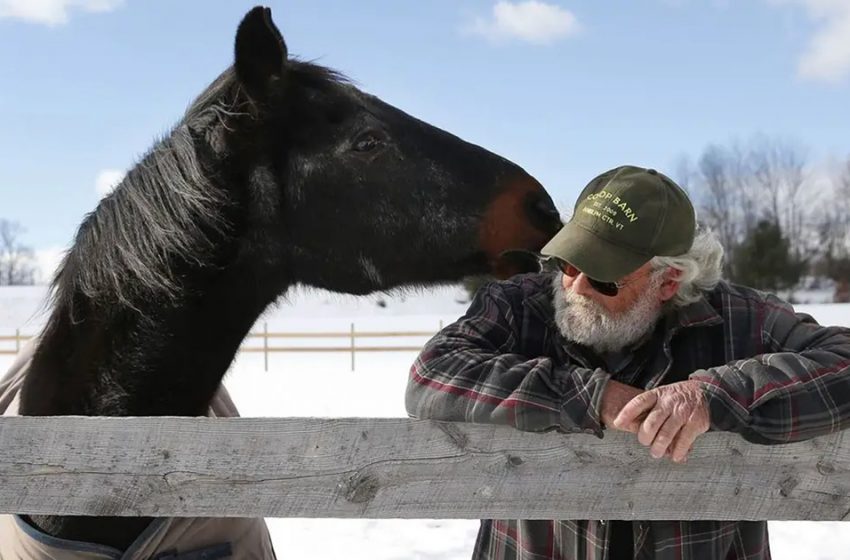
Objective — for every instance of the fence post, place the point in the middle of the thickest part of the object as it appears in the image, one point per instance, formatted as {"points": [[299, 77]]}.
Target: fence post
{"points": [[352, 346], [17, 340], [441, 324], [266, 344]]}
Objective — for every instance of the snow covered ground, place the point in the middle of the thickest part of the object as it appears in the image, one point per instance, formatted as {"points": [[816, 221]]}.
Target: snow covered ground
{"points": [[376, 389]]}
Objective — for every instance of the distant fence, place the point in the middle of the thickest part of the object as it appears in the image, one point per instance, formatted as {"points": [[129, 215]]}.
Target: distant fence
{"points": [[11, 344], [18, 339]]}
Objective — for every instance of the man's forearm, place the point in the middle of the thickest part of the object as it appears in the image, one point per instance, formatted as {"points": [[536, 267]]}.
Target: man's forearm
{"points": [[528, 394]]}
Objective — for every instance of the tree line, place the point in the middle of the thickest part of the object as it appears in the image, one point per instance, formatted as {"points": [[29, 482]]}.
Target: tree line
{"points": [[780, 220]]}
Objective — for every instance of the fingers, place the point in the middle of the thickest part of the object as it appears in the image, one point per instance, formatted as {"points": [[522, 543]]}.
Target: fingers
{"points": [[671, 430], [634, 410], [666, 419], [685, 442], [669, 454], [615, 396], [649, 428], [633, 426]]}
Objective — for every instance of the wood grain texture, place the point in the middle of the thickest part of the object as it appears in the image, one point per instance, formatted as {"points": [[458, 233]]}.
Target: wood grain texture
{"points": [[401, 468]]}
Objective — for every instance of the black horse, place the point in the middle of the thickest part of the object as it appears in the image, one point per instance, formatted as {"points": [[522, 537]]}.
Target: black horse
{"points": [[280, 173]]}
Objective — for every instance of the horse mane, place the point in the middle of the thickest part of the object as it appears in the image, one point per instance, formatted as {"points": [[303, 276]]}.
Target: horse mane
{"points": [[168, 209]]}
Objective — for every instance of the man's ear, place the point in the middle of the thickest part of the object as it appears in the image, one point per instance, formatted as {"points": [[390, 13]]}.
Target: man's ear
{"points": [[670, 284], [260, 53]]}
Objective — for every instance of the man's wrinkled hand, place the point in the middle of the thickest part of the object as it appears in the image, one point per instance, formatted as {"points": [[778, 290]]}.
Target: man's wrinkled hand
{"points": [[615, 397], [667, 419]]}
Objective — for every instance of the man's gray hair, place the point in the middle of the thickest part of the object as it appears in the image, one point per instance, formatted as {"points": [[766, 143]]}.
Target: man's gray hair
{"points": [[700, 268]]}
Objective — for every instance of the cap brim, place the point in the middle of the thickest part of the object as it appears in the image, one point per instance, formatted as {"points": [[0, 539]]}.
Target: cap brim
{"points": [[596, 257]]}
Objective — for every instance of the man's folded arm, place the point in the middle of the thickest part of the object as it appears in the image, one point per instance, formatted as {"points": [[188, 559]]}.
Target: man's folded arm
{"points": [[473, 371], [798, 389]]}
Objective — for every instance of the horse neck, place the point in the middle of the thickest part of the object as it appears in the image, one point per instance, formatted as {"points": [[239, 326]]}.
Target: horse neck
{"points": [[159, 360], [149, 361]]}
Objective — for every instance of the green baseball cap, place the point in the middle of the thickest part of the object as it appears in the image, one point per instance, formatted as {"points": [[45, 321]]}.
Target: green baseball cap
{"points": [[622, 219]]}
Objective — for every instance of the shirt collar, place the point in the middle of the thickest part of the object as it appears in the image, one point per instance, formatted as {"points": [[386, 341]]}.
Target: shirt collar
{"points": [[698, 314]]}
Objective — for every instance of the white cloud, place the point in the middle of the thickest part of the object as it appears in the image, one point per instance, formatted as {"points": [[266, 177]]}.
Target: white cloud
{"points": [[527, 20], [107, 180], [52, 12], [827, 55]]}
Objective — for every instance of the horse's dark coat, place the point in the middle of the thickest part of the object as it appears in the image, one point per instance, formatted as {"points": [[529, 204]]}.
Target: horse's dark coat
{"points": [[280, 173]]}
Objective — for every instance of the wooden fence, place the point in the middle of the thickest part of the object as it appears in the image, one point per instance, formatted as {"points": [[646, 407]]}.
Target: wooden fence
{"points": [[398, 468], [11, 344], [401, 468]]}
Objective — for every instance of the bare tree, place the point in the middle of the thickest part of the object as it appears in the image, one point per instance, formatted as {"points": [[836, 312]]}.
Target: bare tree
{"points": [[684, 172], [717, 194], [778, 172], [722, 199], [738, 186], [833, 228], [17, 261]]}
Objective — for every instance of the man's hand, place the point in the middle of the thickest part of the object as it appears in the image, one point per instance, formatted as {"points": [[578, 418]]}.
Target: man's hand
{"points": [[675, 415], [615, 397]]}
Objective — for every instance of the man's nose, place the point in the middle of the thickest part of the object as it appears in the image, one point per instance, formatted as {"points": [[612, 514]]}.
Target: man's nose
{"points": [[578, 284]]}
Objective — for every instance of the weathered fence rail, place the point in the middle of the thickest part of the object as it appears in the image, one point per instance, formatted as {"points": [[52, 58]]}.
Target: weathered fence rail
{"points": [[400, 468]]}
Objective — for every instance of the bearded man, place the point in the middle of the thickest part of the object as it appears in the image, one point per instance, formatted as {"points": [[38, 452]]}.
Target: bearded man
{"points": [[633, 330]]}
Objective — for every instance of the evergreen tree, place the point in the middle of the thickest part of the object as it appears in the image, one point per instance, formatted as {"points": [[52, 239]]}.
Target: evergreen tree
{"points": [[764, 259]]}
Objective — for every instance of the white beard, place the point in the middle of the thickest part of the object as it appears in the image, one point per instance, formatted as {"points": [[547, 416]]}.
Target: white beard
{"points": [[582, 320]]}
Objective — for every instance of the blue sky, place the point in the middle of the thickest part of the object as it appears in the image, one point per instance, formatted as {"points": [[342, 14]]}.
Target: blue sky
{"points": [[565, 88]]}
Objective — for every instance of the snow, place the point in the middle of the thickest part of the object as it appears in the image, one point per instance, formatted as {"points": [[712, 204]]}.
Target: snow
{"points": [[376, 389]]}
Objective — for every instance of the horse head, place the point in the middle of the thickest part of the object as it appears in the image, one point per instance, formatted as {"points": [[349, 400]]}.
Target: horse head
{"points": [[366, 196]]}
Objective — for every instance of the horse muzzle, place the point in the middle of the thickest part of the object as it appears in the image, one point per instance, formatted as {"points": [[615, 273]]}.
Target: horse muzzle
{"points": [[516, 225]]}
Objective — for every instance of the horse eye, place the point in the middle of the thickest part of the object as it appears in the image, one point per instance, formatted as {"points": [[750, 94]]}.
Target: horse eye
{"points": [[367, 142]]}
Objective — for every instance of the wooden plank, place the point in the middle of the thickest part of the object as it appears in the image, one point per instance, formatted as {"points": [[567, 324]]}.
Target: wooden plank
{"points": [[400, 468]]}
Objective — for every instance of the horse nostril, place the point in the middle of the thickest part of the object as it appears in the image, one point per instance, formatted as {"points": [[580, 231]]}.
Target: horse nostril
{"points": [[543, 213]]}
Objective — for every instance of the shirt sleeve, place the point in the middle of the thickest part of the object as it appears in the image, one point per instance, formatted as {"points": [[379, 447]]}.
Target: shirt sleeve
{"points": [[798, 389], [473, 371]]}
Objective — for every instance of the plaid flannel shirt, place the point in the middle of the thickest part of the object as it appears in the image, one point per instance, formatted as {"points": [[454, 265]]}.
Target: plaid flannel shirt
{"points": [[768, 373]]}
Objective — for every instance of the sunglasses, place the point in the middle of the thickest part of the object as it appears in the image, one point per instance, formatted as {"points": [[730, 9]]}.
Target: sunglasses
{"points": [[609, 289]]}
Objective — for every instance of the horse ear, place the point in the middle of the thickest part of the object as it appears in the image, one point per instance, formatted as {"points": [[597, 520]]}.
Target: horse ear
{"points": [[260, 57]]}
